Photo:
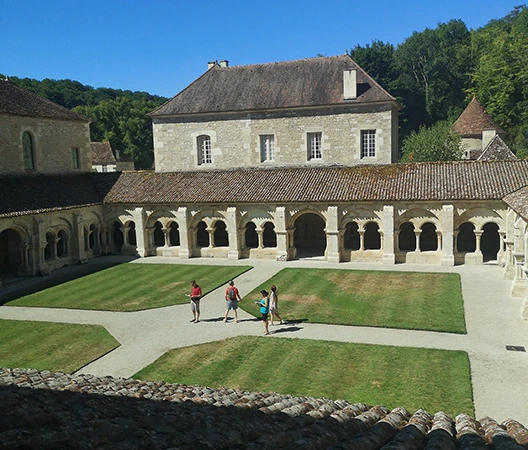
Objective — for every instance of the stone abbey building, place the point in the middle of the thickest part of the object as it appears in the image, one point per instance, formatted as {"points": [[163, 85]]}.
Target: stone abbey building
{"points": [[280, 161]]}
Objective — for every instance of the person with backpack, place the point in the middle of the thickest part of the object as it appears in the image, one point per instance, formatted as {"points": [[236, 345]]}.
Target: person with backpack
{"points": [[232, 297]]}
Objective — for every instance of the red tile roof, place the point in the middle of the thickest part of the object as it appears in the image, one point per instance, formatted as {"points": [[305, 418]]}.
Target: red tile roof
{"points": [[465, 180], [102, 153], [19, 102], [495, 150], [289, 84], [474, 120]]}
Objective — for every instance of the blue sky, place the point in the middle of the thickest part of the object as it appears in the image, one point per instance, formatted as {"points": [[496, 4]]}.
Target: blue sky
{"points": [[160, 46]]}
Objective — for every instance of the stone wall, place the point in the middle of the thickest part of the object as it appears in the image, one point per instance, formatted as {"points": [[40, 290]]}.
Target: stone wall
{"points": [[53, 141], [235, 139]]}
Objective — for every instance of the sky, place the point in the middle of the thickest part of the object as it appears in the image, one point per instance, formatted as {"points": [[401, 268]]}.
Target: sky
{"points": [[161, 46]]}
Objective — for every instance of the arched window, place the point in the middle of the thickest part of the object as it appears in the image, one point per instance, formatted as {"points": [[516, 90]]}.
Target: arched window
{"points": [[50, 243], [28, 147], [251, 235], [117, 236], [490, 241], [202, 235], [428, 237], [203, 144], [220, 235], [132, 234], [174, 234], [62, 244], [351, 238], [372, 236], [407, 238], [466, 240], [269, 237], [159, 236]]}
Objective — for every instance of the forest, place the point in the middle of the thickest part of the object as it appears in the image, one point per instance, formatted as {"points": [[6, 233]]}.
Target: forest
{"points": [[433, 73]]}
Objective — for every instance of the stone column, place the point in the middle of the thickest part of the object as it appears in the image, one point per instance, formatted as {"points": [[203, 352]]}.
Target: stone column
{"points": [[361, 233], [232, 229], [211, 231], [518, 287], [281, 233], [166, 236], [438, 240], [447, 238], [417, 233], [40, 247], [389, 238], [332, 235], [186, 234], [292, 250], [509, 266], [142, 235], [524, 306], [478, 236], [78, 245], [501, 253], [260, 235]]}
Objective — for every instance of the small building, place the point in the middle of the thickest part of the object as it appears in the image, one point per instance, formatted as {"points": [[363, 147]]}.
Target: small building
{"points": [[106, 159]]}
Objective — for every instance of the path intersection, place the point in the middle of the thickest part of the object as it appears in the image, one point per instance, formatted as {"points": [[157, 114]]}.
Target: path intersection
{"points": [[493, 321]]}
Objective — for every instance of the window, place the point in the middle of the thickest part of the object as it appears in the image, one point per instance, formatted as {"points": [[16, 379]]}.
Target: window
{"points": [[28, 147], [104, 168], [76, 163], [204, 149], [267, 147], [314, 146], [368, 143]]}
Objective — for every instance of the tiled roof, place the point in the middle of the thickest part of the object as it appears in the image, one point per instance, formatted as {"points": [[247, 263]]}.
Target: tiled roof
{"points": [[102, 153], [474, 120], [19, 102], [465, 180], [518, 201], [32, 194], [55, 410], [289, 84], [495, 150]]}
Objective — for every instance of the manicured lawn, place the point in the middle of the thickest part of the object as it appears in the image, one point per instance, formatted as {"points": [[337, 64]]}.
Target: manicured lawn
{"points": [[132, 287], [52, 346], [408, 300], [435, 380]]}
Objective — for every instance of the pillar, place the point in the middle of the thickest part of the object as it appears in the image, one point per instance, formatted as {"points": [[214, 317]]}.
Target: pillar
{"points": [[448, 237], [232, 230], [389, 239], [332, 235], [142, 235], [282, 234], [186, 236]]}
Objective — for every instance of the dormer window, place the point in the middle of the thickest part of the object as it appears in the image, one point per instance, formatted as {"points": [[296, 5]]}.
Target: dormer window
{"points": [[205, 155], [28, 148]]}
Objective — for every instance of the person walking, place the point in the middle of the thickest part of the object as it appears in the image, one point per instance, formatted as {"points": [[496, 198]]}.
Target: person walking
{"points": [[232, 297], [274, 305], [196, 295], [264, 309]]}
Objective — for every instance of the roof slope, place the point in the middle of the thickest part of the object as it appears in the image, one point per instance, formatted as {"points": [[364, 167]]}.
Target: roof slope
{"points": [[465, 180], [102, 153], [289, 84], [83, 411], [19, 102], [474, 120], [32, 194], [495, 150]]}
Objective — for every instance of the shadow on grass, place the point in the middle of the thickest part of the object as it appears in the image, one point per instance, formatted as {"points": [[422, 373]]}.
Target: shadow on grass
{"points": [[30, 285]]}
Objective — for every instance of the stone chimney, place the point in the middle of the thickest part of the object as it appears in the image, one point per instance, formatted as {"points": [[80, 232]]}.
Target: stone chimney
{"points": [[211, 64], [224, 63], [350, 84]]}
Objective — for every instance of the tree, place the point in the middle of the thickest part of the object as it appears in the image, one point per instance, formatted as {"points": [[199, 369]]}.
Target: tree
{"points": [[437, 143]]}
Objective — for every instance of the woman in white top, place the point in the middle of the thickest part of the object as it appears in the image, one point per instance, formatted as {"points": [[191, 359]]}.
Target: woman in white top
{"points": [[274, 305]]}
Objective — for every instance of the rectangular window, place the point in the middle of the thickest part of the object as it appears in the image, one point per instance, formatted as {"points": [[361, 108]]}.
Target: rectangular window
{"points": [[267, 147], [314, 146], [104, 168], [205, 155], [76, 163], [368, 143]]}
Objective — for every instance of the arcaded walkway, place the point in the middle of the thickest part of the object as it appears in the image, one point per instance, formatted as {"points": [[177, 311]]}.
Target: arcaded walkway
{"points": [[500, 380]]}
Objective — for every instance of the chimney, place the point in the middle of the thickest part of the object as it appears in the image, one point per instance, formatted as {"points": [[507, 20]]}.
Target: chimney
{"points": [[211, 64], [349, 84], [224, 63]]}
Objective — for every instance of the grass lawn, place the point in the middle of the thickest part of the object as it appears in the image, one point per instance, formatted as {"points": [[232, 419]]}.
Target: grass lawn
{"points": [[435, 380], [408, 300], [132, 287], [52, 346]]}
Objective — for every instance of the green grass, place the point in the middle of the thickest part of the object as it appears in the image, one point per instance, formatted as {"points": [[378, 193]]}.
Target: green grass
{"points": [[435, 380], [52, 346], [407, 300], [132, 287]]}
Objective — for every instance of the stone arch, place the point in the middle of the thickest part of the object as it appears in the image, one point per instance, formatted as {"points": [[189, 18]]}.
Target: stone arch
{"points": [[62, 244], [479, 217], [221, 237], [202, 235], [158, 235], [428, 237], [372, 237], [351, 238], [309, 237], [269, 237], [10, 252], [49, 250], [466, 239], [490, 241], [407, 237], [118, 238], [174, 234], [250, 235], [418, 217]]}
